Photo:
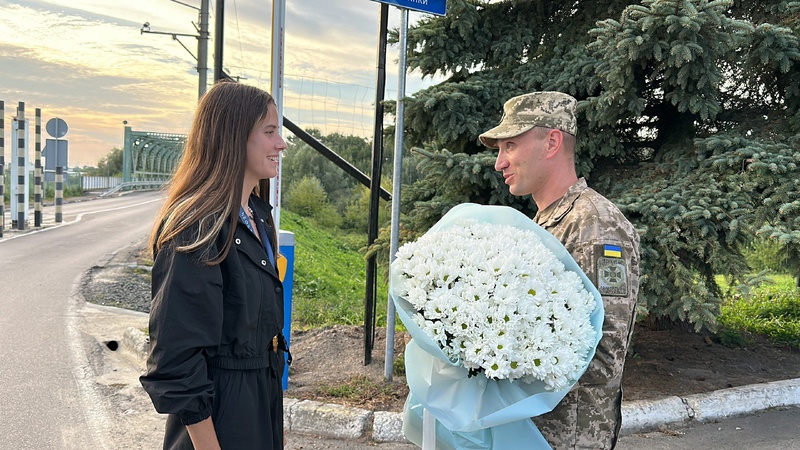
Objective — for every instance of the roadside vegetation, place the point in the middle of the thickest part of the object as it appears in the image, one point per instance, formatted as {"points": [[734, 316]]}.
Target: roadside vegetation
{"points": [[329, 275], [768, 304], [772, 310]]}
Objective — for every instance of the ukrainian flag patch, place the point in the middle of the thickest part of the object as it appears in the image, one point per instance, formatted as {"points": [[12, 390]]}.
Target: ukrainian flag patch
{"points": [[612, 251]]}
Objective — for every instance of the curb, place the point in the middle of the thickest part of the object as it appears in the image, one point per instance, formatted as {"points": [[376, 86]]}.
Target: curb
{"points": [[342, 422]]}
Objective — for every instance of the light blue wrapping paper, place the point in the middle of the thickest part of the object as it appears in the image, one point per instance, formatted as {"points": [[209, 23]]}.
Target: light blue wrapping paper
{"points": [[479, 413]]}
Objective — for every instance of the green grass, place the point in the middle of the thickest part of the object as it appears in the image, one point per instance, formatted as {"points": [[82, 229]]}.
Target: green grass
{"points": [[329, 275], [771, 310]]}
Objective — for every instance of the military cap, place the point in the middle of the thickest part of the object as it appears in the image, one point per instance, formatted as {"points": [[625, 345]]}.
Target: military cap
{"points": [[537, 109]]}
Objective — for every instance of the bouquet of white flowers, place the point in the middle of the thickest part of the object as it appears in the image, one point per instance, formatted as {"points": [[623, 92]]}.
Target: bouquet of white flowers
{"points": [[497, 300], [503, 322]]}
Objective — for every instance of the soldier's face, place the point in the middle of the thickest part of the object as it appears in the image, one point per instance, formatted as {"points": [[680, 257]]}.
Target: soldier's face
{"points": [[521, 159]]}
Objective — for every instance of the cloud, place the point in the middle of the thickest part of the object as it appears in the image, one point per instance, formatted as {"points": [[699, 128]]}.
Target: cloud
{"points": [[87, 62]]}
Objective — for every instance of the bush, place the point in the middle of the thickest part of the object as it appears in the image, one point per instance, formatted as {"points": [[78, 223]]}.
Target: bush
{"points": [[305, 195], [308, 198], [765, 254], [771, 311]]}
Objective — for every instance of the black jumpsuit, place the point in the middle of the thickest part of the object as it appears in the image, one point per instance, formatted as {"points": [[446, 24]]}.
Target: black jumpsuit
{"points": [[211, 332]]}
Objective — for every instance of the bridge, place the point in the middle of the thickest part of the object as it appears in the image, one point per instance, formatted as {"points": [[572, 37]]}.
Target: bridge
{"points": [[148, 158]]}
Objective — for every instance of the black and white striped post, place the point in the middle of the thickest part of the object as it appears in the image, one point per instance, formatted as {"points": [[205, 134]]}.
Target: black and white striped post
{"points": [[2, 166], [21, 156], [59, 195], [2, 176], [37, 171]]}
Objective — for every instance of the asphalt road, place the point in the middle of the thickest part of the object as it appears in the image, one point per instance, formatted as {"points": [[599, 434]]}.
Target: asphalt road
{"points": [[768, 430], [49, 399]]}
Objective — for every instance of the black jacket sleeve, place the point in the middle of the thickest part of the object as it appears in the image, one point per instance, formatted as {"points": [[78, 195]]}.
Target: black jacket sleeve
{"points": [[185, 329]]}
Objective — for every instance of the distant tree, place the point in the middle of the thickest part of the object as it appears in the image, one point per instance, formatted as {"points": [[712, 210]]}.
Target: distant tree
{"points": [[689, 120], [301, 160], [109, 165], [356, 214]]}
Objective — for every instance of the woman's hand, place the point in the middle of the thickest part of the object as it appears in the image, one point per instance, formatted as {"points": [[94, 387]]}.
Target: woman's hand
{"points": [[203, 435]]}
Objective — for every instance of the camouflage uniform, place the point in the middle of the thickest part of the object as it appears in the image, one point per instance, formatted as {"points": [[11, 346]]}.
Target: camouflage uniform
{"points": [[605, 245]]}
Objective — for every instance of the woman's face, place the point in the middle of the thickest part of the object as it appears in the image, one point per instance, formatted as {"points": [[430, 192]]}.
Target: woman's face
{"points": [[264, 146]]}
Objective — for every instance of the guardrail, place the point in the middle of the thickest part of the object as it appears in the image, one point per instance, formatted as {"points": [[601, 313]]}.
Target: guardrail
{"points": [[132, 185]]}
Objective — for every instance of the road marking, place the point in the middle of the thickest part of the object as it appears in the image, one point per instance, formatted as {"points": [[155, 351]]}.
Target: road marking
{"points": [[78, 218]]}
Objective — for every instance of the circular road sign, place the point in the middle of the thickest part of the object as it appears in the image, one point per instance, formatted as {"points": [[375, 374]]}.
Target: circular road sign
{"points": [[57, 128]]}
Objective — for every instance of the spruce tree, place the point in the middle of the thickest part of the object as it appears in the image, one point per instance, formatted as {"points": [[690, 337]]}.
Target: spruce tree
{"points": [[689, 114]]}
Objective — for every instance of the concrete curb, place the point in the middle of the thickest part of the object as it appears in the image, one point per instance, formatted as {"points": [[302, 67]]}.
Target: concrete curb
{"points": [[136, 343], [337, 421]]}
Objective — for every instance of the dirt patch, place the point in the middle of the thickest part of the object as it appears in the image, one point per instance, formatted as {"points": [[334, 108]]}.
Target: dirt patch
{"points": [[329, 366], [664, 362], [669, 361]]}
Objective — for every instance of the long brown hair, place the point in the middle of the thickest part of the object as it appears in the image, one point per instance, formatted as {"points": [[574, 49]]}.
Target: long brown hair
{"points": [[206, 188]]}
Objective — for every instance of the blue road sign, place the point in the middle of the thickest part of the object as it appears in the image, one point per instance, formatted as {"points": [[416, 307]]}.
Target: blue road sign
{"points": [[436, 7]]}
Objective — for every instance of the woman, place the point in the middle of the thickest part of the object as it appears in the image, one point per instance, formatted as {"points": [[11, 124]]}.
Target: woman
{"points": [[216, 353]]}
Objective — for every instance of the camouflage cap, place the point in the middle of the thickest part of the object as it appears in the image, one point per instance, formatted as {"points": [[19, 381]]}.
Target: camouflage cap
{"points": [[537, 109]]}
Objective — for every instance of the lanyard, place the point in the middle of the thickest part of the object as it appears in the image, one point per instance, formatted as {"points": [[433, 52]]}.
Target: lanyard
{"points": [[261, 232]]}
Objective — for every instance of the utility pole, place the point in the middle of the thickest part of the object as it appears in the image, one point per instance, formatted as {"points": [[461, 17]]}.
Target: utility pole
{"points": [[202, 42], [202, 48], [219, 32]]}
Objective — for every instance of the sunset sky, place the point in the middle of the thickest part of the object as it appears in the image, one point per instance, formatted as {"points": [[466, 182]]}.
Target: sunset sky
{"points": [[87, 62]]}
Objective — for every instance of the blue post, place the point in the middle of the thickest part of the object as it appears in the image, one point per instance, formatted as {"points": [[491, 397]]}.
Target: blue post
{"points": [[286, 248]]}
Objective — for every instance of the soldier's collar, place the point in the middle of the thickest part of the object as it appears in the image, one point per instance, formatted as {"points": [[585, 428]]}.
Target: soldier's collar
{"points": [[554, 213]]}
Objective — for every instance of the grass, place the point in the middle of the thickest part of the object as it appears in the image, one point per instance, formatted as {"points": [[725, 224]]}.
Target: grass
{"points": [[329, 276], [771, 310]]}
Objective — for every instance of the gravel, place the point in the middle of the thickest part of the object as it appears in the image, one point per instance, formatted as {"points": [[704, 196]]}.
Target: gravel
{"points": [[121, 284]]}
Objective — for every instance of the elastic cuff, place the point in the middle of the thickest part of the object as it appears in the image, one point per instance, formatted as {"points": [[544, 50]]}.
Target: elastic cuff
{"points": [[193, 418]]}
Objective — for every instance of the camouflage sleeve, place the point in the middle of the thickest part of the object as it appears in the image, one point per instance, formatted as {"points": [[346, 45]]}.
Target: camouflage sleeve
{"points": [[609, 256]]}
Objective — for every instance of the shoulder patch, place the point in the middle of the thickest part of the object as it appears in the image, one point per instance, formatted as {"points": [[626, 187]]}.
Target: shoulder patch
{"points": [[612, 276], [612, 251]]}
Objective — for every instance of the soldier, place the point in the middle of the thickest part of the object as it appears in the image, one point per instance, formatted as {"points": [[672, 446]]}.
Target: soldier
{"points": [[536, 154]]}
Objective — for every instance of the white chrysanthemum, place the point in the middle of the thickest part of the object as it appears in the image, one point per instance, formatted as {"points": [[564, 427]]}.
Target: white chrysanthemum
{"points": [[497, 300]]}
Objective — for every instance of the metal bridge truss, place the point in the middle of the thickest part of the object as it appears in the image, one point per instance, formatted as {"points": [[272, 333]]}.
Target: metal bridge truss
{"points": [[150, 157]]}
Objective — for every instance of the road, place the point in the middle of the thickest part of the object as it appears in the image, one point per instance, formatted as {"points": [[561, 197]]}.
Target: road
{"points": [[768, 430], [49, 396]]}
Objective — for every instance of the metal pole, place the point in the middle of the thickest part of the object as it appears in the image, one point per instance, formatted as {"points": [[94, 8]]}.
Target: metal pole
{"points": [[396, 184], [37, 170], [219, 25], [127, 155], [59, 193], [22, 157], [375, 184], [276, 89], [2, 176], [202, 48], [2, 165]]}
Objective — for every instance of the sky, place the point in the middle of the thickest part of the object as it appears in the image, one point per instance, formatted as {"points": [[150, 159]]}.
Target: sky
{"points": [[88, 63]]}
